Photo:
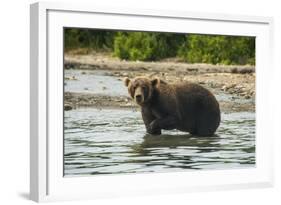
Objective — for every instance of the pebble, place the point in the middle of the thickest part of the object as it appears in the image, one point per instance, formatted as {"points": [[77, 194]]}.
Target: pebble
{"points": [[231, 86], [224, 88], [67, 107], [71, 78]]}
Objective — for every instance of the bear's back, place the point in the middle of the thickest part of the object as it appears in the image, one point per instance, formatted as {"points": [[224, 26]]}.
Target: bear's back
{"points": [[197, 108]]}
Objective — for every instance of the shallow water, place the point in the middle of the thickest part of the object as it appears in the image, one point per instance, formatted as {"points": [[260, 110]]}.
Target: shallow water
{"points": [[95, 82], [113, 141]]}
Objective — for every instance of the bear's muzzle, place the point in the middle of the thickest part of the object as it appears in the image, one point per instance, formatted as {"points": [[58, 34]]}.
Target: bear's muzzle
{"points": [[138, 95]]}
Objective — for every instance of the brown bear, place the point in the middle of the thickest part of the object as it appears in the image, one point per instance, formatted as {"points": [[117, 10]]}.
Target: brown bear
{"points": [[184, 106]]}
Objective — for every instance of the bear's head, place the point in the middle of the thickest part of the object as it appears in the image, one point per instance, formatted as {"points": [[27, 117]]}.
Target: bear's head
{"points": [[141, 88]]}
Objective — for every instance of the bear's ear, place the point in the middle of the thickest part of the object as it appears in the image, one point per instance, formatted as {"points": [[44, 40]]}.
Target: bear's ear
{"points": [[126, 81], [155, 81]]}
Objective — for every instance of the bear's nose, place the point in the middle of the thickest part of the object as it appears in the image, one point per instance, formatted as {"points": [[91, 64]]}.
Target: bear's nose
{"points": [[138, 98]]}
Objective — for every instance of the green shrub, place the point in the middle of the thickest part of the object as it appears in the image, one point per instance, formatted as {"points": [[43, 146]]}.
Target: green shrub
{"points": [[151, 46], [88, 38], [218, 49], [146, 46]]}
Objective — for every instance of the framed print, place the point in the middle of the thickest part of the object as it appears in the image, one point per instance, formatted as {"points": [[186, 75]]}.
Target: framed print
{"points": [[128, 101]]}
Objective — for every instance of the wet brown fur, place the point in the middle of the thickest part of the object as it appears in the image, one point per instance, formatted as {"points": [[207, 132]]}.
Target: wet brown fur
{"points": [[185, 106]]}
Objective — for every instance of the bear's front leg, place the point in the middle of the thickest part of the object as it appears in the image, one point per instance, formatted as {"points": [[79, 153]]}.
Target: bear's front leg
{"points": [[148, 117], [166, 123]]}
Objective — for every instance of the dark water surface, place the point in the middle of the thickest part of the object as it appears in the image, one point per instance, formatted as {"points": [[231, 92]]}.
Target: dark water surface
{"points": [[112, 141]]}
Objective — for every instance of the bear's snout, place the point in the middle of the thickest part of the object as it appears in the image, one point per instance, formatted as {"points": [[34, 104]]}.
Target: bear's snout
{"points": [[138, 98], [138, 95]]}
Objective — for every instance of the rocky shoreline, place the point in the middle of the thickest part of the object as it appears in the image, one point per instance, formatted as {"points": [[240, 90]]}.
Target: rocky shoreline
{"points": [[104, 61], [236, 81], [78, 100]]}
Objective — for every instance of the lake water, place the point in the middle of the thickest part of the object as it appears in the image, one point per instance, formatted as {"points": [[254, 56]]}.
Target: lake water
{"points": [[113, 141], [96, 82]]}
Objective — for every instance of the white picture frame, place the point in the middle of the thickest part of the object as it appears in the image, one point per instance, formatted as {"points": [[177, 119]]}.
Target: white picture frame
{"points": [[46, 103]]}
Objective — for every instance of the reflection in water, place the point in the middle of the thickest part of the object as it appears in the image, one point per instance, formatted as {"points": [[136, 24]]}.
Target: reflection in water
{"points": [[112, 141]]}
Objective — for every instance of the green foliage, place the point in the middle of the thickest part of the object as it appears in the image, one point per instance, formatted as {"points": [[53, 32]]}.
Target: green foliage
{"points": [[146, 46], [88, 38], [150, 46], [218, 49]]}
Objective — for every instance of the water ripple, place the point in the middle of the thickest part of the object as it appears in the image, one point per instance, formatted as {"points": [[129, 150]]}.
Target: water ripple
{"points": [[111, 141]]}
